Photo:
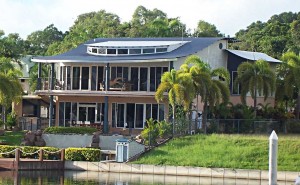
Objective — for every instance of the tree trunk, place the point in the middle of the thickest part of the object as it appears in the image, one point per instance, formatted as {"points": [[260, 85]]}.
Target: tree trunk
{"points": [[255, 101], [204, 116], [173, 132], [196, 117], [4, 116]]}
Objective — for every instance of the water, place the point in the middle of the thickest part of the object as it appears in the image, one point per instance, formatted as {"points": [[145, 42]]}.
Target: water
{"points": [[101, 178]]}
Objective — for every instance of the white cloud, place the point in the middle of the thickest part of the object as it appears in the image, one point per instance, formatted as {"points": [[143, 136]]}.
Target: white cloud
{"points": [[229, 16]]}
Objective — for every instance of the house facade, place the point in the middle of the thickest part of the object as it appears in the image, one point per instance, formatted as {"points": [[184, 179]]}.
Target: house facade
{"points": [[111, 82]]}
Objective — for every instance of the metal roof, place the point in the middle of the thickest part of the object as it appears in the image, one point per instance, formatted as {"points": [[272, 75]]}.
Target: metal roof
{"points": [[116, 44], [80, 54], [248, 55]]}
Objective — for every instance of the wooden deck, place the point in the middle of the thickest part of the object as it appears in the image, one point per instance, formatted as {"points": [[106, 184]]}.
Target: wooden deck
{"points": [[18, 163]]}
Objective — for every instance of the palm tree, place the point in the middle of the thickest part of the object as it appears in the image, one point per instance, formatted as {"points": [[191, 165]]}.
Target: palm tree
{"points": [[175, 84], [10, 86], [288, 74], [256, 77], [211, 85]]}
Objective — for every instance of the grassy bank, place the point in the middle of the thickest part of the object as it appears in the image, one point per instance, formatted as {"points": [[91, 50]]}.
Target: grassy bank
{"points": [[225, 151], [12, 138]]}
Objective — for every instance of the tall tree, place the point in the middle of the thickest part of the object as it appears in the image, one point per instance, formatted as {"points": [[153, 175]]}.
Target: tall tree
{"points": [[37, 43], [257, 79], [205, 29], [288, 74], [10, 86], [175, 84], [211, 84]]}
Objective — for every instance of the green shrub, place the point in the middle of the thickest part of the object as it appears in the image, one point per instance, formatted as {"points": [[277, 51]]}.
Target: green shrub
{"points": [[52, 153], [83, 154], [11, 119], [70, 130], [164, 129], [150, 132]]}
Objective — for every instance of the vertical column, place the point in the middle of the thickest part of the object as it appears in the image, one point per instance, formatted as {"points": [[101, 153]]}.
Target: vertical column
{"points": [[39, 87], [107, 79], [39, 81], [51, 96], [171, 65]]}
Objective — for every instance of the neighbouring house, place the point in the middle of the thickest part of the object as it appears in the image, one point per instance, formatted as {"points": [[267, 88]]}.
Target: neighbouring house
{"points": [[110, 83], [29, 105]]}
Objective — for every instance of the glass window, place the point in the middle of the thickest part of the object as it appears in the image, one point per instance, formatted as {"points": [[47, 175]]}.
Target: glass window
{"points": [[148, 111], [143, 79], [74, 113], [67, 114], [130, 115], [139, 116], [161, 112], [161, 50], [155, 111], [61, 113], [122, 51], [148, 50], [68, 77], [235, 89], [85, 78], [100, 76], [134, 78], [111, 51], [94, 78], [94, 50], [102, 51], [152, 79], [135, 51], [76, 78]]}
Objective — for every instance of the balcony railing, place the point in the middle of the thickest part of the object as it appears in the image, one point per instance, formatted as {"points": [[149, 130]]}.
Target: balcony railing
{"points": [[117, 84]]}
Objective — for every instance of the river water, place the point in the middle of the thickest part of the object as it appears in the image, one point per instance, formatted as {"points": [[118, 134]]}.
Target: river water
{"points": [[102, 178]]}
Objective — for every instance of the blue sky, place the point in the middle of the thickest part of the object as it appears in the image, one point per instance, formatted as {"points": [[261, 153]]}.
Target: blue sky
{"points": [[229, 16]]}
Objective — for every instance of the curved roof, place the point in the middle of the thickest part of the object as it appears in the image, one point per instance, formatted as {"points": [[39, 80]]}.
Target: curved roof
{"points": [[248, 55], [79, 54]]}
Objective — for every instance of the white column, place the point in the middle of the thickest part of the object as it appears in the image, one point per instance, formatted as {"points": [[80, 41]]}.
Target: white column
{"points": [[273, 149]]}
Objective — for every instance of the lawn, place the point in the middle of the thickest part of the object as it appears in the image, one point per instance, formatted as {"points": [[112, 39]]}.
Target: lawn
{"points": [[12, 138], [225, 151]]}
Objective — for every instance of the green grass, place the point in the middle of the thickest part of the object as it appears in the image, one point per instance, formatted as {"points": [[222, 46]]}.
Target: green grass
{"points": [[12, 138], [225, 151]]}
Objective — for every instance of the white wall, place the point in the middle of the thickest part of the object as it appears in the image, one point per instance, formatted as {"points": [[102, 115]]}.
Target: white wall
{"points": [[213, 55]]}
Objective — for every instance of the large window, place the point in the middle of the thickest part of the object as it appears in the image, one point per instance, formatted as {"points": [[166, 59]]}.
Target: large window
{"points": [[76, 78], [236, 90], [132, 115], [155, 76]]}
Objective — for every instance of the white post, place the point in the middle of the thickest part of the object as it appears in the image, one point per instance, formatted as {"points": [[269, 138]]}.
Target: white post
{"points": [[273, 148]]}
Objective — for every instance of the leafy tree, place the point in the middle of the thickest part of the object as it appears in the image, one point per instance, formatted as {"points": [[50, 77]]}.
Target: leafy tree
{"points": [[205, 29], [175, 84], [211, 84], [37, 43], [10, 86], [274, 37], [288, 74], [256, 77]]}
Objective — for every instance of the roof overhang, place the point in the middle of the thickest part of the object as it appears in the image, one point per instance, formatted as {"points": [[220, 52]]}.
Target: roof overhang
{"points": [[253, 56]]}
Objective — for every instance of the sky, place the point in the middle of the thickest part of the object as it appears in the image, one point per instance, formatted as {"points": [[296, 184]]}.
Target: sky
{"points": [[229, 16]]}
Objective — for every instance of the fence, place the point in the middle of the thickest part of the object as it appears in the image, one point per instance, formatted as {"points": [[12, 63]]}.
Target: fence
{"points": [[238, 126]]}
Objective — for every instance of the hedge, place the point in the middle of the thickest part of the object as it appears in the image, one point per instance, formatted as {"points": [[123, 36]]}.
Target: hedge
{"points": [[70, 130], [72, 154]]}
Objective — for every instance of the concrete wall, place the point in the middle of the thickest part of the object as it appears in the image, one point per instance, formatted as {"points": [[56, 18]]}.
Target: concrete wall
{"points": [[178, 170], [135, 148], [66, 141]]}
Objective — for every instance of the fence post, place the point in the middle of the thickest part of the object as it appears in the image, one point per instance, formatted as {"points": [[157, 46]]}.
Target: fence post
{"points": [[62, 154], [273, 148], [17, 155], [41, 154]]}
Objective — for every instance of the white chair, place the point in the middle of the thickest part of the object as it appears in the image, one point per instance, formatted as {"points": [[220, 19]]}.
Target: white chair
{"points": [[87, 122]]}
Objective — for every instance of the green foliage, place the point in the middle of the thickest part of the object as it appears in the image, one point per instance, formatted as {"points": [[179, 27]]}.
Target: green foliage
{"points": [[274, 37], [205, 29], [225, 151], [11, 119], [151, 132], [69, 130], [83, 154], [164, 129]]}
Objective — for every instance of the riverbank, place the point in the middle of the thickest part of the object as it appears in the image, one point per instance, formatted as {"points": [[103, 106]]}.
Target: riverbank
{"points": [[178, 170]]}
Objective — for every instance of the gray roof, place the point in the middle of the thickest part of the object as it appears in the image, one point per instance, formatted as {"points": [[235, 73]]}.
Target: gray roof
{"points": [[248, 55], [80, 54]]}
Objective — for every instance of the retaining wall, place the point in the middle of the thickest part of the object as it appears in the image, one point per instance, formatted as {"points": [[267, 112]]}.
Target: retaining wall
{"points": [[178, 170]]}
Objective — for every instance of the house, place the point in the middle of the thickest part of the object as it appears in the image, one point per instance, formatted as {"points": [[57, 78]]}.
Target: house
{"points": [[111, 82]]}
